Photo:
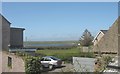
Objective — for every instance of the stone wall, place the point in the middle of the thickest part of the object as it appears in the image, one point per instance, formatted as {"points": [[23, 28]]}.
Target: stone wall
{"points": [[109, 42], [119, 41]]}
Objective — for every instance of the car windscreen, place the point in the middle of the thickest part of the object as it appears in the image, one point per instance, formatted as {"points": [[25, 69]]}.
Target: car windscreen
{"points": [[54, 58], [42, 59]]}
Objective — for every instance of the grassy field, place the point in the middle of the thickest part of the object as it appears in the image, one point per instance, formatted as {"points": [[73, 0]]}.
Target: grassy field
{"points": [[52, 52], [66, 54]]}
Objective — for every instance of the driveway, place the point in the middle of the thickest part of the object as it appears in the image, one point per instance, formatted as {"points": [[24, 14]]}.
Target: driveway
{"points": [[64, 68]]}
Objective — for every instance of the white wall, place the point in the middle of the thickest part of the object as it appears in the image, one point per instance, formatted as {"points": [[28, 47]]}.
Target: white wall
{"points": [[82, 64], [98, 38]]}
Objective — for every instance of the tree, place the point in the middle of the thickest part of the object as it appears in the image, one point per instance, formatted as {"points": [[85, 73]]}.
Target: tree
{"points": [[86, 38]]}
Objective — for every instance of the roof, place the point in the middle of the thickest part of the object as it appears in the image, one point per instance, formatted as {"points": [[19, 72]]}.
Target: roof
{"points": [[47, 56], [50, 57], [4, 18], [101, 31], [104, 31], [17, 28]]}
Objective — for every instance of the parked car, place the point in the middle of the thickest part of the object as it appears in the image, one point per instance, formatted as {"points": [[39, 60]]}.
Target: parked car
{"points": [[50, 62]]}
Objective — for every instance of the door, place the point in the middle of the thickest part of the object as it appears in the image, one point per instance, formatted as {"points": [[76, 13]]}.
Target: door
{"points": [[45, 62]]}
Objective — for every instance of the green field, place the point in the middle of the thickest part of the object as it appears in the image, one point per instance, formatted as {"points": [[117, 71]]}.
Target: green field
{"points": [[65, 54]]}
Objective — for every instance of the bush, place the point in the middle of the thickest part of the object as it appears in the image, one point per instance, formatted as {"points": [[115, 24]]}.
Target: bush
{"points": [[103, 61], [107, 59], [33, 65]]}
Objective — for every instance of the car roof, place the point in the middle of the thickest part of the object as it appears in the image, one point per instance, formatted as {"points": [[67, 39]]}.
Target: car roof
{"points": [[47, 56]]}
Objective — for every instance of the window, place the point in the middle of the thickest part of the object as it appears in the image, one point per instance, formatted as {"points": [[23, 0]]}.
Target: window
{"points": [[42, 59], [10, 62], [47, 59], [54, 58]]}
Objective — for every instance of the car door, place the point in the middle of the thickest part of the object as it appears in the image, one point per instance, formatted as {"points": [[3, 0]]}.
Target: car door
{"points": [[45, 62]]}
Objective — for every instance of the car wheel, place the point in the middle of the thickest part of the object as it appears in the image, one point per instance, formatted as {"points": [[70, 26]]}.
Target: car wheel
{"points": [[50, 67]]}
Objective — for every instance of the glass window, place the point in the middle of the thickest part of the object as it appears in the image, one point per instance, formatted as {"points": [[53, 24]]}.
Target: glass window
{"points": [[42, 59], [54, 58], [9, 62], [47, 59]]}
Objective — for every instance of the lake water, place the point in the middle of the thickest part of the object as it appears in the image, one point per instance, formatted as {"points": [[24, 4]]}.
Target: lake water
{"points": [[48, 45]]}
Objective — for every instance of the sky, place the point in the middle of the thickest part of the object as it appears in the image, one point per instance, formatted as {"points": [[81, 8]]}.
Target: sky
{"points": [[59, 0], [60, 21]]}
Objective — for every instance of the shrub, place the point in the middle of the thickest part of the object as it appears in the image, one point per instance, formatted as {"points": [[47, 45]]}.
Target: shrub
{"points": [[103, 61], [33, 65]]}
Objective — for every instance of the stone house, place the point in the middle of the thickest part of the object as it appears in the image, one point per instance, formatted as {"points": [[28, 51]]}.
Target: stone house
{"points": [[109, 42], [8, 61]]}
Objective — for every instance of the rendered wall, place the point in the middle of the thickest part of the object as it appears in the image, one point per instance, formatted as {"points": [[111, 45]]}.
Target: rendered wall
{"points": [[0, 32], [0, 44], [5, 34], [16, 37], [17, 63]]}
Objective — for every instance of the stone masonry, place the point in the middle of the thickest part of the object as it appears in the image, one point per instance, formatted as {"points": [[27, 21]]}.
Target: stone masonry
{"points": [[109, 42]]}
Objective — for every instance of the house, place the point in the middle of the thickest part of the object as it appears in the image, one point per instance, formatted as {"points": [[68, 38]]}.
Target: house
{"points": [[99, 36], [12, 37], [16, 37], [9, 62], [5, 32], [109, 42]]}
